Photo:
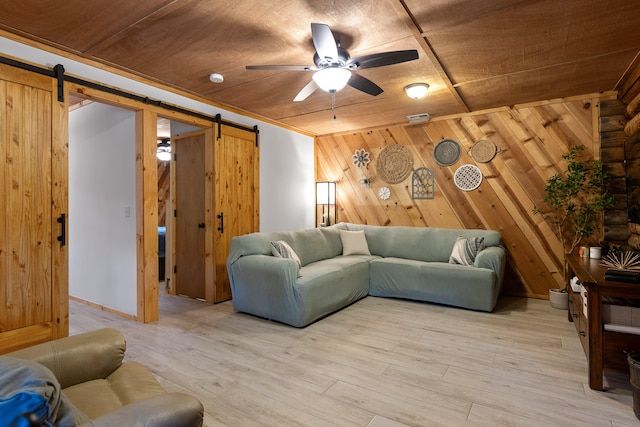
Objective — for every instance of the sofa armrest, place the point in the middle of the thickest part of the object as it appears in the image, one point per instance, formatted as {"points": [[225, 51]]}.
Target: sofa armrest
{"points": [[265, 274], [79, 358], [493, 258], [264, 285], [169, 409]]}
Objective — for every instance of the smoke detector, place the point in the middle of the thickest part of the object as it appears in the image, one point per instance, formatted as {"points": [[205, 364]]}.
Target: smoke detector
{"points": [[216, 78]]}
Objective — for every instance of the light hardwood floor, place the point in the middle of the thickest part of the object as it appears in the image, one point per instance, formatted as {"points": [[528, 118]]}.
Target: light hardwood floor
{"points": [[378, 363]]}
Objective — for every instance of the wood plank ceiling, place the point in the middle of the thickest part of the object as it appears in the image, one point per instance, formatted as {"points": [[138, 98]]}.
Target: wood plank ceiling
{"points": [[475, 55]]}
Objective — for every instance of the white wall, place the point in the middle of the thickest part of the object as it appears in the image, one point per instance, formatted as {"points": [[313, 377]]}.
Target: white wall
{"points": [[287, 187], [286, 157], [102, 206]]}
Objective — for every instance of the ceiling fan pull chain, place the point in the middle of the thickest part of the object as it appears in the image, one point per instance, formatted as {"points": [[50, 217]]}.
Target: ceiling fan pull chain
{"points": [[333, 104]]}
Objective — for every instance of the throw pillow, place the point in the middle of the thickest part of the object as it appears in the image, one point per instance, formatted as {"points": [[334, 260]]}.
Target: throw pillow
{"points": [[31, 395], [282, 249], [465, 250], [354, 243]]}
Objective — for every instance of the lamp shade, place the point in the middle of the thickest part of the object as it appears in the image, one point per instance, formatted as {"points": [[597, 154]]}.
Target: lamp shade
{"points": [[332, 79], [325, 193], [326, 208]]}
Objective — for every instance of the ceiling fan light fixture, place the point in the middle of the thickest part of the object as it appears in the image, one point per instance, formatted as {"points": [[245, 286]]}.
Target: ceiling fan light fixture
{"points": [[163, 156], [332, 79], [416, 90], [163, 152]]}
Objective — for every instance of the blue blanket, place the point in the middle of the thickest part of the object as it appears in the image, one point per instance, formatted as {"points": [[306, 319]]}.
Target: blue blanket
{"points": [[30, 395]]}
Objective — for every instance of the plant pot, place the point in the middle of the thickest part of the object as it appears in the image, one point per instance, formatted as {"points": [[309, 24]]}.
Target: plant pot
{"points": [[559, 299], [633, 359]]}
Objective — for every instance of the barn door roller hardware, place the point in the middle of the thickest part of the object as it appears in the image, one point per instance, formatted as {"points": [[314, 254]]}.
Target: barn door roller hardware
{"points": [[58, 73], [218, 119]]}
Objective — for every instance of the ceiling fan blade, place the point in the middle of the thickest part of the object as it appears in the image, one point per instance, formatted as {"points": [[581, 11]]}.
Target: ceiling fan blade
{"points": [[282, 67], [324, 41], [364, 84], [384, 58], [310, 87]]}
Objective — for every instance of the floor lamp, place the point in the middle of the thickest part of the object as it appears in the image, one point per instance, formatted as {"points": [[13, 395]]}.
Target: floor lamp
{"points": [[326, 211]]}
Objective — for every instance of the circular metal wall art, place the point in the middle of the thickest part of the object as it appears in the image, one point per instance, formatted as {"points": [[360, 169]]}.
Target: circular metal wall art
{"points": [[483, 151], [446, 152], [468, 177], [394, 164]]}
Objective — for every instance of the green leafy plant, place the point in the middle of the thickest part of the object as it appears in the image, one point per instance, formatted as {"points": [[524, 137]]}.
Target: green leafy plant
{"points": [[575, 200]]}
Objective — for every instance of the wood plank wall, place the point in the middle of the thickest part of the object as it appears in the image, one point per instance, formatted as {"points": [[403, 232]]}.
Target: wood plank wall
{"points": [[629, 93], [612, 139], [163, 191], [530, 138]]}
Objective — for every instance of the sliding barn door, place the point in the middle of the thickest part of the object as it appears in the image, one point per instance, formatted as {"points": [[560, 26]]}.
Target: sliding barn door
{"points": [[236, 194], [33, 195]]}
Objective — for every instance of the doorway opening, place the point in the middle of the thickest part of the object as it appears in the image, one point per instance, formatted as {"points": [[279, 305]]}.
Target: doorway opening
{"points": [[102, 206], [181, 210]]}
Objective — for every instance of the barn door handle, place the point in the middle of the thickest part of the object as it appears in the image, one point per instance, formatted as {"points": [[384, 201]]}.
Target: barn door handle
{"points": [[221, 228], [62, 238]]}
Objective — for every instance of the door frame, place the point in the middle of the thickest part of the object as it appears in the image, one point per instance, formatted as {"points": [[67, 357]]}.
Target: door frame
{"points": [[146, 188]]}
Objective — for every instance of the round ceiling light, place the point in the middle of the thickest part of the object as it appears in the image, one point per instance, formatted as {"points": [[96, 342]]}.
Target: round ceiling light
{"points": [[416, 90]]}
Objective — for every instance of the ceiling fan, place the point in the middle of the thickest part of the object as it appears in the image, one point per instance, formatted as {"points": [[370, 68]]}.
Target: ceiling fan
{"points": [[334, 67]]}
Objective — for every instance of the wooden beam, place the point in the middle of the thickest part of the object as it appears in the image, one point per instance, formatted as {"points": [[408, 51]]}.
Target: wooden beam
{"points": [[146, 216], [405, 14], [60, 205], [633, 125]]}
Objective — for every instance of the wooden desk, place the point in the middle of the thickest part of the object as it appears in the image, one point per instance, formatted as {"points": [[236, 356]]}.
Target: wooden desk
{"points": [[604, 349]]}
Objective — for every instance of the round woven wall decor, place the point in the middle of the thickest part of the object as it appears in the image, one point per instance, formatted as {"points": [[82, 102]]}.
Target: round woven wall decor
{"points": [[468, 177], [483, 151], [394, 164]]}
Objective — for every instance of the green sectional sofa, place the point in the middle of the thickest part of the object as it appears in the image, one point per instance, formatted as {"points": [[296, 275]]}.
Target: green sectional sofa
{"points": [[338, 265]]}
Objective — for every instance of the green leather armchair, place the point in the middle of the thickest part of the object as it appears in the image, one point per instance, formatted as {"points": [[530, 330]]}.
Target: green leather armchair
{"points": [[107, 391]]}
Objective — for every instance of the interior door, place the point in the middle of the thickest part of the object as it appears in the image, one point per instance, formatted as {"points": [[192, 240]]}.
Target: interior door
{"points": [[33, 185], [236, 194], [189, 263]]}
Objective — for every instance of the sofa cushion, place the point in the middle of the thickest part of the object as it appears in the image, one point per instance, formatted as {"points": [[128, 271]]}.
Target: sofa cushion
{"points": [[95, 398], [27, 387], [310, 245], [106, 347], [281, 249], [315, 244], [465, 250], [439, 282], [354, 243], [420, 243], [130, 383], [328, 285]]}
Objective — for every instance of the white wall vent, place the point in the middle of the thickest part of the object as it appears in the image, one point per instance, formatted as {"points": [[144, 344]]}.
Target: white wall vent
{"points": [[423, 117]]}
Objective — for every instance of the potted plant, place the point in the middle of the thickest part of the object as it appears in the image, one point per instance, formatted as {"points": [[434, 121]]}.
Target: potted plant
{"points": [[574, 203]]}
